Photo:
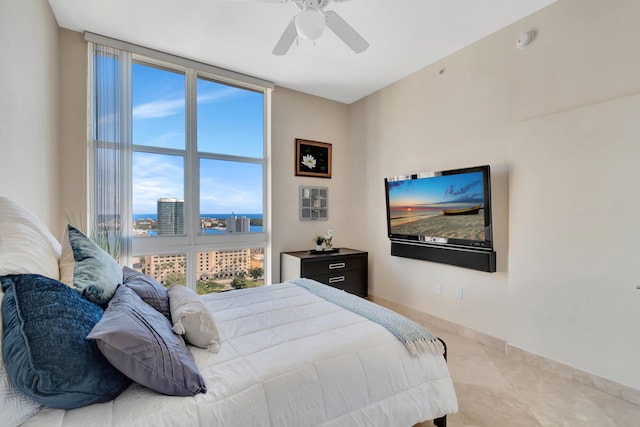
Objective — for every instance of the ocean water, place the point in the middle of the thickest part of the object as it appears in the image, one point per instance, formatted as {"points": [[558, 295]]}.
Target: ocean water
{"points": [[154, 216], [253, 228]]}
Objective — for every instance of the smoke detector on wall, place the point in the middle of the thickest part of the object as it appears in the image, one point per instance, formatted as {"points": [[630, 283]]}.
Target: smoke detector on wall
{"points": [[525, 39]]}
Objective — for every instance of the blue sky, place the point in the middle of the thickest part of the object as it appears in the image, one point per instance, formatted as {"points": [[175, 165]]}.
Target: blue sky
{"points": [[439, 189], [230, 122]]}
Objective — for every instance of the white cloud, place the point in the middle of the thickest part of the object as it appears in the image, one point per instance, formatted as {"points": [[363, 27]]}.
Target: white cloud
{"points": [[218, 94], [156, 176], [168, 139], [219, 196], [157, 109]]}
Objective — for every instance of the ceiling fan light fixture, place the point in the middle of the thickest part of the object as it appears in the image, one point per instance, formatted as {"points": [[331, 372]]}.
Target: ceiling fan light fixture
{"points": [[310, 23]]}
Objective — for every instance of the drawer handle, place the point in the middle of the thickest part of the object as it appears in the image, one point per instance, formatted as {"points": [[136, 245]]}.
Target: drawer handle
{"points": [[337, 265], [336, 279]]}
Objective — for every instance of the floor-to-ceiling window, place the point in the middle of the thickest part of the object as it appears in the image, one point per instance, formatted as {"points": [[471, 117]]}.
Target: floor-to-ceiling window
{"points": [[194, 171]]}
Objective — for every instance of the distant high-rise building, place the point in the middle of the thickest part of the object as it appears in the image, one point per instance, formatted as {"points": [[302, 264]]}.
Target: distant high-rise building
{"points": [[222, 264], [170, 217], [238, 225]]}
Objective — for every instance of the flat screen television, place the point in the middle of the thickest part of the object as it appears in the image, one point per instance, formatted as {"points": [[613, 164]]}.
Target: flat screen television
{"points": [[450, 208]]}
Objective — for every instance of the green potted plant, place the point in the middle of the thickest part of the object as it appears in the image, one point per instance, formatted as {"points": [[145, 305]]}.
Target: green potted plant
{"points": [[319, 241]]}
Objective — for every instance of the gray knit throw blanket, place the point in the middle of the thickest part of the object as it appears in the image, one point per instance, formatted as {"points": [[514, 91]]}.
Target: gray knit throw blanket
{"points": [[415, 337]]}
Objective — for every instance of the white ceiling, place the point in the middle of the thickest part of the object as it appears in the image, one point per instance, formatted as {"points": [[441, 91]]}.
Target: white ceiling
{"points": [[404, 36]]}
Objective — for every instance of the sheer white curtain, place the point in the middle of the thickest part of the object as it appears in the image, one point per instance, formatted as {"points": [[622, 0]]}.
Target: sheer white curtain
{"points": [[110, 220]]}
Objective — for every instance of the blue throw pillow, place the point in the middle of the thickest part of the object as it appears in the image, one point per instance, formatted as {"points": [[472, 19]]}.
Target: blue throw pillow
{"points": [[44, 344], [138, 340]]}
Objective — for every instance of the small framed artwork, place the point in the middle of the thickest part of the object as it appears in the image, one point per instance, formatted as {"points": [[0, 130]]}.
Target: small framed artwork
{"points": [[314, 203], [313, 158]]}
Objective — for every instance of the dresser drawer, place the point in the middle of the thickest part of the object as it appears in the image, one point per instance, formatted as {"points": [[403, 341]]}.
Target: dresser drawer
{"points": [[346, 270], [353, 281], [333, 265]]}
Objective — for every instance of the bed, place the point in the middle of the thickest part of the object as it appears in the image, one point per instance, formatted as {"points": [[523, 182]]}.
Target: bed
{"points": [[287, 357]]}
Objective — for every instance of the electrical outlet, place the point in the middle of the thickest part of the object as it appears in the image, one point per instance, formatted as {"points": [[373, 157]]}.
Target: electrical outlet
{"points": [[438, 289], [459, 293]]}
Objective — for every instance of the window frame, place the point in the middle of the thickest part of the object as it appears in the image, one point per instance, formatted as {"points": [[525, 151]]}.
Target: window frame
{"points": [[193, 242]]}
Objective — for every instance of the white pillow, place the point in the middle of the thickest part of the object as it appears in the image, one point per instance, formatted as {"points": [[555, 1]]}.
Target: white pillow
{"points": [[191, 318], [22, 251], [15, 407], [26, 245], [67, 261]]}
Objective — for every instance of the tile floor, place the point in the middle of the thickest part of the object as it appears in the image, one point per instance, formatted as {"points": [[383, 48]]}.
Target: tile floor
{"points": [[495, 390]]}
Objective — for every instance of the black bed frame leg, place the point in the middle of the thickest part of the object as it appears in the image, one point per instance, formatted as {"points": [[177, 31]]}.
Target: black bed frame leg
{"points": [[442, 421]]}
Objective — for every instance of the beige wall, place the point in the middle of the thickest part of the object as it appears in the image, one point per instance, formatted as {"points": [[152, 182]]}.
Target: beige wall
{"points": [[72, 156], [558, 123], [574, 224], [29, 107], [296, 115]]}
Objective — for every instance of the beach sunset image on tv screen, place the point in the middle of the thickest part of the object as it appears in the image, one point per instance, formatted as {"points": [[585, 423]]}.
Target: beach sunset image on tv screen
{"points": [[446, 206]]}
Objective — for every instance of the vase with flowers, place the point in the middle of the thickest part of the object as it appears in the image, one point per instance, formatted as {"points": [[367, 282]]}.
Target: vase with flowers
{"points": [[328, 239]]}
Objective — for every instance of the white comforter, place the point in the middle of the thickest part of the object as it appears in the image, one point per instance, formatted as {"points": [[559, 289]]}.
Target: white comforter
{"points": [[288, 358]]}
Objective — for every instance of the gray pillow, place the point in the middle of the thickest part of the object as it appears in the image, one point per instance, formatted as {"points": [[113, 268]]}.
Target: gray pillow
{"points": [[139, 342], [147, 288]]}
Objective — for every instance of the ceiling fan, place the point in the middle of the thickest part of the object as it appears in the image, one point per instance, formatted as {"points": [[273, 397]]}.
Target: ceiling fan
{"points": [[310, 23]]}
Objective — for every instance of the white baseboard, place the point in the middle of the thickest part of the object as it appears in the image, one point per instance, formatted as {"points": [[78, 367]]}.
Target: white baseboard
{"points": [[604, 385], [428, 319]]}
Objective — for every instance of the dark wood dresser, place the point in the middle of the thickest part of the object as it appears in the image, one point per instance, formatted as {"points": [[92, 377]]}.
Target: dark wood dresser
{"points": [[346, 269]]}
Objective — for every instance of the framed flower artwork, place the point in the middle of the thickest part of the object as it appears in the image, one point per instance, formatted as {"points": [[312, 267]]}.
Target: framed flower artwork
{"points": [[313, 158]]}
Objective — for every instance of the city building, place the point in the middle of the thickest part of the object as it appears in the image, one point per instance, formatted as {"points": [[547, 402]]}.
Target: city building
{"points": [[210, 265], [213, 265], [170, 217], [238, 225]]}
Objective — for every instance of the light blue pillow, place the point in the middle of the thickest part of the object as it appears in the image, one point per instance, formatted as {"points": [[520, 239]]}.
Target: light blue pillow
{"points": [[44, 345], [96, 275]]}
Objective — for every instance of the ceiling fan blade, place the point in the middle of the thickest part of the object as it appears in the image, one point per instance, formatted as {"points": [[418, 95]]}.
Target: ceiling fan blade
{"points": [[287, 39], [323, 3], [346, 32]]}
